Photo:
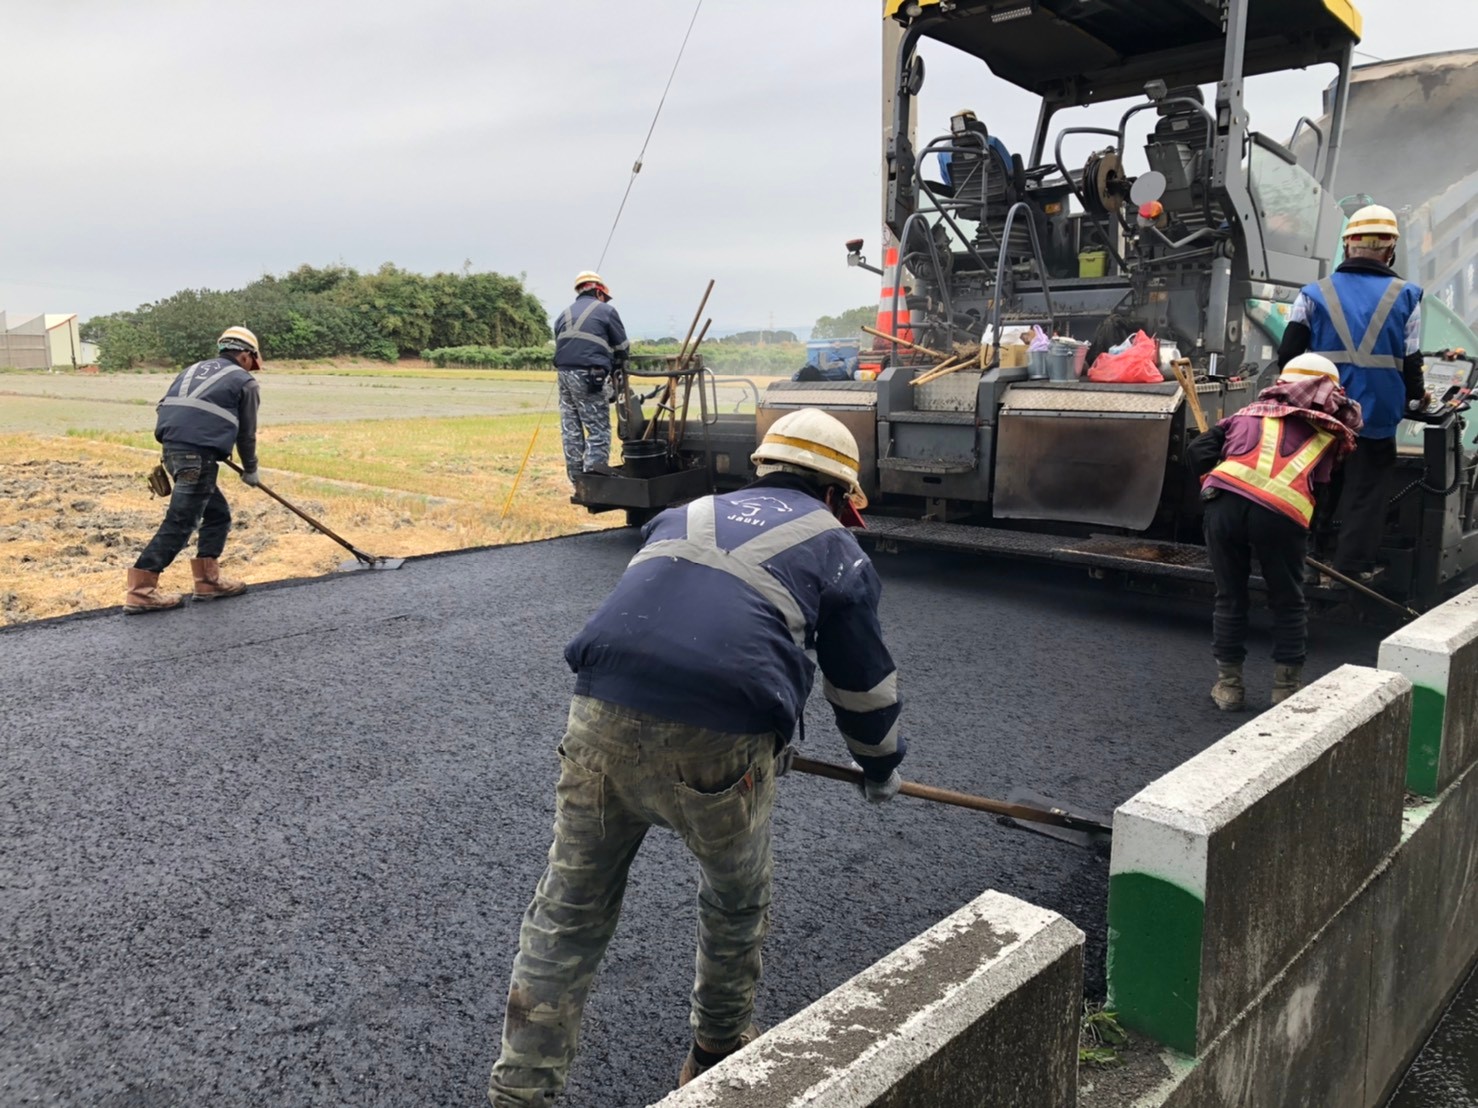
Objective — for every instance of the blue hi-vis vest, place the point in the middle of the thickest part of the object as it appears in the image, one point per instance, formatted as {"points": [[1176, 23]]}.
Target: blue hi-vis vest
{"points": [[1361, 327]]}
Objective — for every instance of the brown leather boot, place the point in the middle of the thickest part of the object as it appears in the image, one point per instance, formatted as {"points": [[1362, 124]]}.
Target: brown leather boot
{"points": [[704, 1056], [144, 596], [209, 584]]}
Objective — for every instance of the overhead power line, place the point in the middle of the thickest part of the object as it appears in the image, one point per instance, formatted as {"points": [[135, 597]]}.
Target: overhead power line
{"points": [[635, 169]]}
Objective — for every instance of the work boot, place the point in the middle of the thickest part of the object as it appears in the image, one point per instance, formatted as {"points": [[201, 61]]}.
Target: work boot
{"points": [[1287, 680], [144, 596], [602, 470], [209, 584], [1229, 692], [711, 1055]]}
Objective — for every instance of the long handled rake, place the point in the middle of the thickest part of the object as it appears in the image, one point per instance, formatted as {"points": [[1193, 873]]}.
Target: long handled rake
{"points": [[361, 559]]}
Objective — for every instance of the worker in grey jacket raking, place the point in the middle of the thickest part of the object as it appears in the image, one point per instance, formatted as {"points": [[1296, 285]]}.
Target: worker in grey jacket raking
{"points": [[589, 344], [209, 409]]}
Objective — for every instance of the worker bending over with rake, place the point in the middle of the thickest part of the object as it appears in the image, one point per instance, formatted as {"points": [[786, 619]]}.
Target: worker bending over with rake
{"points": [[1261, 467], [209, 408], [589, 343], [690, 680]]}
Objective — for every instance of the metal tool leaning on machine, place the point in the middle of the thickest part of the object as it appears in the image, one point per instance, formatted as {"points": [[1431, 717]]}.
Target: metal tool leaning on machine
{"points": [[589, 343], [1366, 320], [1259, 471], [691, 678], [208, 410]]}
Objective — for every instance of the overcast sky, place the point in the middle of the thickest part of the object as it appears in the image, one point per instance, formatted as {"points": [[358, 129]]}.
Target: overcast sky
{"points": [[167, 144]]}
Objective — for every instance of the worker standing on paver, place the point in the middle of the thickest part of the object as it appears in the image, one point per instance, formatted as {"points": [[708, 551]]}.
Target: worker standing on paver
{"points": [[1368, 322], [210, 408], [690, 680], [1261, 468], [589, 343]]}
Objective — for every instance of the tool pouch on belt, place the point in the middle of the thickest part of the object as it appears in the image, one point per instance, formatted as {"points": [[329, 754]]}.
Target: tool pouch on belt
{"points": [[159, 481], [595, 381]]}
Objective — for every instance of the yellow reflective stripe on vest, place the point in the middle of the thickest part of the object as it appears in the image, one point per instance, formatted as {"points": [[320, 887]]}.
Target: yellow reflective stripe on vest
{"points": [[1278, 485]]}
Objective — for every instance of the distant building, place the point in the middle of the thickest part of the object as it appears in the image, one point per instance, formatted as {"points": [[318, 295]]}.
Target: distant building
{"points": [[49, 341]]}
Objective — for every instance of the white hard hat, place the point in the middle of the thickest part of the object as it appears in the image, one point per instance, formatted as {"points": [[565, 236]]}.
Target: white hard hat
{"points": [[1373, 221], [1305, 366], [588, 279], [816, 441], [238, 338]]}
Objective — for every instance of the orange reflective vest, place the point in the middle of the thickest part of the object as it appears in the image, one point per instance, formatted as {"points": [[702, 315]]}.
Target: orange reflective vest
{"points": [[1281, 483]]}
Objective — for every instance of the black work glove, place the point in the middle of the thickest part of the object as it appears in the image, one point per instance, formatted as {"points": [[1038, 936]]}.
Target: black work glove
{"points": [[594, 382]]}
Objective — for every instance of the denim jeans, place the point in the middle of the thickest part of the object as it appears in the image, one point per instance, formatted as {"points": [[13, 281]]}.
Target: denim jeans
{"points": [[621, 773], [195, 502]]}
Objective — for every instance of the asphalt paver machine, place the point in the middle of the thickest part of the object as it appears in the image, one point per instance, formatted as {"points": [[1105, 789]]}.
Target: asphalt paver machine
{"points": [[1202, 250]]}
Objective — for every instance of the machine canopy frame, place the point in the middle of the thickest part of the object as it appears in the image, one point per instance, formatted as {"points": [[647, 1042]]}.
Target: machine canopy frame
{"points": [[1077, 52]]}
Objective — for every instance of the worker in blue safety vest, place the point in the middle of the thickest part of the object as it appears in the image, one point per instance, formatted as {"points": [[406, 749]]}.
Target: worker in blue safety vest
{"points": [[691, 678], [1368, 321], [589, 344]]}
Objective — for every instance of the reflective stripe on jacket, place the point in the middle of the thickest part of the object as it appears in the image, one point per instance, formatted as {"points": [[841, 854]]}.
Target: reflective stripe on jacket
{"points": [[589, 335], [211, 405], [1359, 323], [724, 615], [1275, 479]]}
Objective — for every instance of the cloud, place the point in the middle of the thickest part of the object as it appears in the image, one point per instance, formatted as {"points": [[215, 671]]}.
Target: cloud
{"points": [[176, 144]]}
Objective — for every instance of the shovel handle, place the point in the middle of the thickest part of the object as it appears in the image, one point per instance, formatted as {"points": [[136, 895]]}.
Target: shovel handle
{"points": [[959, 800], [367, 559]]}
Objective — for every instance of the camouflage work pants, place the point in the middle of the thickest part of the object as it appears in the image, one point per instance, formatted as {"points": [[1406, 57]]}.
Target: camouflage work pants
{"points": [[622, 772], [584, 423]]}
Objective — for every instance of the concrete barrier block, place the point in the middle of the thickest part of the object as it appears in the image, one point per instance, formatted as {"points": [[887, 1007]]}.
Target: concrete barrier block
{"points": [[1459, 876], [980, 1010], [1439, 654], [1408, 903], [1226, 866], [1295, 1048]]}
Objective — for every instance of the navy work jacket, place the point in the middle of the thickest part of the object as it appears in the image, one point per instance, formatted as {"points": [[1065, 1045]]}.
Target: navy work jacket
{"points": [[723, 616], [589, 335]]}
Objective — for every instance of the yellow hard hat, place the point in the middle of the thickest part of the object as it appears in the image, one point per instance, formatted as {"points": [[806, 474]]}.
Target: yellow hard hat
{"points": [[816, 441], [238, 338], [1373, 221], [1309, 365], [591, 279]]}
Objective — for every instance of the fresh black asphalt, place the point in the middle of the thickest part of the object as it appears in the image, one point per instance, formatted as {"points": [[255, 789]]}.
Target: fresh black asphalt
{"points": [[274, 851]]}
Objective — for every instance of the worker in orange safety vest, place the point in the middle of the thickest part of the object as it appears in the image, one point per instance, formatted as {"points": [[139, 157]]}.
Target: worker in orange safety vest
{"points": [[1260, 469]]}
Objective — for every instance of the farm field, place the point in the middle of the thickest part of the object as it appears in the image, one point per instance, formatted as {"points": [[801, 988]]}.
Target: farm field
{"points": [[399, 460]]}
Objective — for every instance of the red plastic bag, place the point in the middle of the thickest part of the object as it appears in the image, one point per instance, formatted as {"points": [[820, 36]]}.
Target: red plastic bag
{"points": [[1138, 365]]}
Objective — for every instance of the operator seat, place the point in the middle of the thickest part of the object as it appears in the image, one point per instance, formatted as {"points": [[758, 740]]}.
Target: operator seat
{"points": [[1177, 147]]}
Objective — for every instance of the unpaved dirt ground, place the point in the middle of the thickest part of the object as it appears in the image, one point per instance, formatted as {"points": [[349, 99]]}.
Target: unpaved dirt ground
{"points": [[71, 524]]}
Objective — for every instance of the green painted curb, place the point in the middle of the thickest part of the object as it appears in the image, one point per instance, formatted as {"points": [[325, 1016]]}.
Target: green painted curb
{"points": [[1154, 957], [1424, 754]]}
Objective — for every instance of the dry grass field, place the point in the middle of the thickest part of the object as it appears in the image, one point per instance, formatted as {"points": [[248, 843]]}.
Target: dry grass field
{"points": [[400, 460]]}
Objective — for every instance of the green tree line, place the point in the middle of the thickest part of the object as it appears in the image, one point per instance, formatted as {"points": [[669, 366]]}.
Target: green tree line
{"points": [[775, 360], [847, 325], [329, 312]]}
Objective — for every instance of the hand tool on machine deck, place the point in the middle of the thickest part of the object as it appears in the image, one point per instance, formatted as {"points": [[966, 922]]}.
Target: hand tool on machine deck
{"points": [[1084, 831], [361, 559]]}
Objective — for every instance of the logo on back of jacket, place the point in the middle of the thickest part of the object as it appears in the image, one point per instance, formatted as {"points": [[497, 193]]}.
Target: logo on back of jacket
{"points": [[748, 510]]}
